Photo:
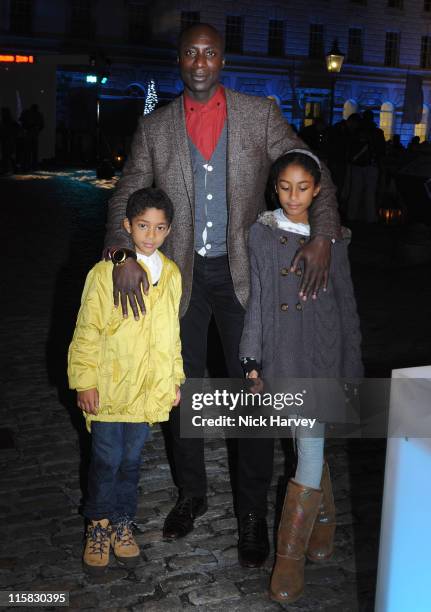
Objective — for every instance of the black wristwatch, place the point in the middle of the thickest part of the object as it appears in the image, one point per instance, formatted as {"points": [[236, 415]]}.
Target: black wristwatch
{"points": [[119, 256]]}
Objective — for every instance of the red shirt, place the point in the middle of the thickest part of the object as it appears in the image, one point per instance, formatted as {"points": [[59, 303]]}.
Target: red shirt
{"points": [[205, 121]]}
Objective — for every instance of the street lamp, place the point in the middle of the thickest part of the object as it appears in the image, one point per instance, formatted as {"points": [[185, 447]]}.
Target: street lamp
{"points": [[334, 63]]}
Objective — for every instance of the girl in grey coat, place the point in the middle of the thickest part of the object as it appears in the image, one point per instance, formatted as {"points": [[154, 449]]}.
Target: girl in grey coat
{"points": [[287, 337]]}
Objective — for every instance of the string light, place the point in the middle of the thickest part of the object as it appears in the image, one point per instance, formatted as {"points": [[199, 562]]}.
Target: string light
{"points": [[151, 99]]}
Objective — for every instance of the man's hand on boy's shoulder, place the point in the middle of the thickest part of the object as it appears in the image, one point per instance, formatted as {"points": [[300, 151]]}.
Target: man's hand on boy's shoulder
{"points": [[88, 401], [130, 280]]}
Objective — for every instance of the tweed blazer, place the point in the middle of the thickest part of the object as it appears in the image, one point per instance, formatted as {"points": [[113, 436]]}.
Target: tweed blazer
{"points": [[160, 156]]}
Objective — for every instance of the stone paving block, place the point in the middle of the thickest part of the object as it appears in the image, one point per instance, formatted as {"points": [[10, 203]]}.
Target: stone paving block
{"points": [[74, 522], [201, 532], [8, 563], [220, 593], [226, 524], [149, 537], [252, 603], [150, 486], [220, 499], [182, 581], [70, 584], [148, 571], [324, 574], [68, 539], [69, 566], [83, 599], [166, 549], [227, 557], [58, 468], [28, 471], [160, 495], [254, 586], [215, 512], [39, 557], [58, 511], [317, 597], [167, 604], [25, 545], [130, 589], [191, 562], [218, 542]]}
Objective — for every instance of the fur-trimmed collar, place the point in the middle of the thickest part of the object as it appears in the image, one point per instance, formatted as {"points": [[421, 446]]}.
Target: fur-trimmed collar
{"points": [[267, 218]]}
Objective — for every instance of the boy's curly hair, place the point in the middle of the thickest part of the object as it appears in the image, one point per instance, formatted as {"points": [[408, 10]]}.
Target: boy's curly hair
{"points": [[150, 197]]}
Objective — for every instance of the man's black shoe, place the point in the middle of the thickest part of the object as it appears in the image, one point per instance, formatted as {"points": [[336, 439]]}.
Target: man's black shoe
{"points": [[179, 521], [253, 545]]}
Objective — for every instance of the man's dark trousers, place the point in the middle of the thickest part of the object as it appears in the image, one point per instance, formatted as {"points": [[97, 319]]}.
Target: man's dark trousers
{"points": [[213, 293]]}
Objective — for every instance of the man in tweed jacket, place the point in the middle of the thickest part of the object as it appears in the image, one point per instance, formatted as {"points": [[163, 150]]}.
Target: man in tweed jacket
{"points": [[167, 152]]}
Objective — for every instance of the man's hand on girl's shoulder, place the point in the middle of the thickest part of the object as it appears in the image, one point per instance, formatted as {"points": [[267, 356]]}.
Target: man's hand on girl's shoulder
{"points": [[88, 401], [316, 256]]}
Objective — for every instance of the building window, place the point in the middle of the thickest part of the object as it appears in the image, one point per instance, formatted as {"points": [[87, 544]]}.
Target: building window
{"points": [[426, 52], [350, 107], [276, 38], [21, 17], [81, 20], [427, 6], [354, 52], [316, 44], [139, 24], [387, 119], [392, 49], [313, 110], [421, 129], [189, 18], [395, 4], [234, 34]]}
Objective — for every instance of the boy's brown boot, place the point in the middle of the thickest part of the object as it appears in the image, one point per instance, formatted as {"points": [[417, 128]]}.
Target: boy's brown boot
{"points": [[96, 552], [321, 544], [301, 505], [124, 544]]}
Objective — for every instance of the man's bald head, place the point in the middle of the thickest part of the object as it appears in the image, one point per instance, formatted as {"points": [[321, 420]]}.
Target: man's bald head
{"points": [[196, 29]]}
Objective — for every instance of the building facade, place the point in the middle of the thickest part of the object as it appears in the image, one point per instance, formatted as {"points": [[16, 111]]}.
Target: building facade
{"points": [[273, 48]]}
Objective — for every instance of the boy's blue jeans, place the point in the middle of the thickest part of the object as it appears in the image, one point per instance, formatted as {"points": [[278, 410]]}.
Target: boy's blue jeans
{"points": [[114, 470]]}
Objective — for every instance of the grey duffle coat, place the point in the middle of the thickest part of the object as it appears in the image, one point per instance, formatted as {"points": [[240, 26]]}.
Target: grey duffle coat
{"points": [[291, 338]]}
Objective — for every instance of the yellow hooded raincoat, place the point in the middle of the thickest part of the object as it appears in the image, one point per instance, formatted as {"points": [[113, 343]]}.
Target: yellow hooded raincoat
{"points": [[135, 365]]}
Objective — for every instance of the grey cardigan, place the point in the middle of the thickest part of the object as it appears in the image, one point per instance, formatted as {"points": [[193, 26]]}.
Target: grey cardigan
{"points": [[257, 134], [291, 338]]}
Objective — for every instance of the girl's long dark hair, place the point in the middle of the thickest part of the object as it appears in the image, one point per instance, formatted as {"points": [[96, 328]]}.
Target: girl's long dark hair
{"points": [[300, 159]]}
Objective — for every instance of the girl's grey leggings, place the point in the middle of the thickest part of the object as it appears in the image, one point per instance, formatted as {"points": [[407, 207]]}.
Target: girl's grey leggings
{"points": [[309, 449]]}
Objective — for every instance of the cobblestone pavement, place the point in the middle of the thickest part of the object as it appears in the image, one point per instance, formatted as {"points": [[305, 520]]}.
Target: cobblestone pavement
{"points": [[53, 228]]}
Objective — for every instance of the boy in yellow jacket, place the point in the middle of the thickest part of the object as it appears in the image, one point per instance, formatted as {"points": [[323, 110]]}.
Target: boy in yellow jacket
{"points": [[127, 374]]}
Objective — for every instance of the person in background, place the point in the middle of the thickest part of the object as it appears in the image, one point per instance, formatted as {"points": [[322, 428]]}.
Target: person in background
{"points": [[8, 137], [315, 136], [33, 123]]}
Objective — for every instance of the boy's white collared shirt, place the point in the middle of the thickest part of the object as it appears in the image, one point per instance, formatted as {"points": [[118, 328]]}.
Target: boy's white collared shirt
{"points": [[154, 264]]}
